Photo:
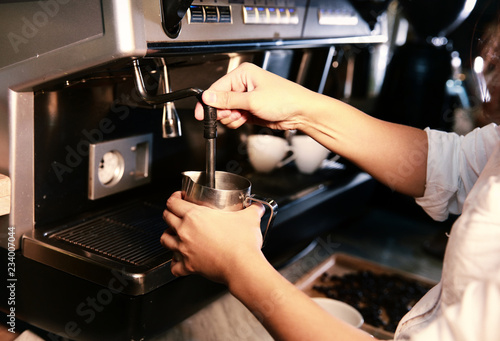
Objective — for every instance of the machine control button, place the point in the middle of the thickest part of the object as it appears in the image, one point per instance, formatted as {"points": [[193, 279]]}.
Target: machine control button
{"points": [[284, 15], [224, 14], [337, 17], [211, 14], [250, 15], [274, 15], [270, 15], [262, 15], [293, 15], [195, 14]]}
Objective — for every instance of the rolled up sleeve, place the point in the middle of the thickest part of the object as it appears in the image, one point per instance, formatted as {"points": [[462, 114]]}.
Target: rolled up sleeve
{"points": [[453, 165]]}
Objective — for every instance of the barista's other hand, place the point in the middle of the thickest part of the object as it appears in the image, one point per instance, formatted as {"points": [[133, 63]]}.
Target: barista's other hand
{"points": [[251, 94], [210, 242]]}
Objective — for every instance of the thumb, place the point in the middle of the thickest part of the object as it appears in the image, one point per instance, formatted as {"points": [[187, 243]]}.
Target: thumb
{"points": [[256, 208], [226, 99]]}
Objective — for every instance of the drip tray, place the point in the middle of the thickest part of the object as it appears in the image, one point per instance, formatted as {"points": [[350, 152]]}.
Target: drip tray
{"points": [[131, 235], [121, 243]]}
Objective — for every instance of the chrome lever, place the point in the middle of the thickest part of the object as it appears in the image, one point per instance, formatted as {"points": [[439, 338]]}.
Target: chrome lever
{"points": [[171, 124]]}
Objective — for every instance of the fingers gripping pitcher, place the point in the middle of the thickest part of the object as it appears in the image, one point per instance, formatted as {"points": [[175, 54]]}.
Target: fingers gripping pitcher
{"points": [[232, 192]]}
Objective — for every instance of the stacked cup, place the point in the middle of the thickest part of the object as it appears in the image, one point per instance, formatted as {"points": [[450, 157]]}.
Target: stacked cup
{"points": [[268, 152]]}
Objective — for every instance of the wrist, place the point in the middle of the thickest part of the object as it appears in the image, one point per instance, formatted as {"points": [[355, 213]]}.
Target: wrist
{"points": [[245, 271], [310, 117]]}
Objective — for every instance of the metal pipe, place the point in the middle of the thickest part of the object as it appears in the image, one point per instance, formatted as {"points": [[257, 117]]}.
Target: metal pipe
{"points": [[210, 162], [209, 118], [162, 98], [171, 125]]}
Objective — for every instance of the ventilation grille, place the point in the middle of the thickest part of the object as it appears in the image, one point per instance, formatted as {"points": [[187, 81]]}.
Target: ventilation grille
{"points": [[131, 234]]}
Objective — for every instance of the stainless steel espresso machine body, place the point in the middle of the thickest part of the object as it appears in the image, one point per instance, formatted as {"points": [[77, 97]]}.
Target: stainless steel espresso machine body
{"points": [[91, 163]]}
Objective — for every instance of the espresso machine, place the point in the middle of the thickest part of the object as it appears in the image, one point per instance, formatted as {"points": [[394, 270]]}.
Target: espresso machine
{"points": [[91, 160]]}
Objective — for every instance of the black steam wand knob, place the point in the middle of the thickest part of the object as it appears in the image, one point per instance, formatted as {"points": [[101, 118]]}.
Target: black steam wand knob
{"points": [[172, 12], [209, 118]]}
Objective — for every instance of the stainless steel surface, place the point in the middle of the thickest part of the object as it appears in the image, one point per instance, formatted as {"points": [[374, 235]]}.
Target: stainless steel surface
{"points": [[24, 24], [16, 134], [123, 240], [127, 166], [21, 72], [229, 194], [171, 125], [325, 17], [328, 63]]}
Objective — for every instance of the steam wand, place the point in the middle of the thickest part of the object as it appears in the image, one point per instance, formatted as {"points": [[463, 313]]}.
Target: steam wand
{"points": [[209, 118]]}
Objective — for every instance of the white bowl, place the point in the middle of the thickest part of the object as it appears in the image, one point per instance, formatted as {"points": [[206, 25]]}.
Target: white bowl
{"points": [[340, 310]]}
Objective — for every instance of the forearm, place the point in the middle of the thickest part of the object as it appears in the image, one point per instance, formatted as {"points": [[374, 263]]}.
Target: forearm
{"points": [[394, 154], [286, 312]]}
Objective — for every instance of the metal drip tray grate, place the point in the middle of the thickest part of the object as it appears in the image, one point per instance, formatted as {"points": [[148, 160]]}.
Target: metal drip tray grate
{"points": [[131, 234]]}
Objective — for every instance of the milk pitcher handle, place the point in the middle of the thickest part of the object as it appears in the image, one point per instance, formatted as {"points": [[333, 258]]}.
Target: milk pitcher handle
{"points": [[270, 203]]}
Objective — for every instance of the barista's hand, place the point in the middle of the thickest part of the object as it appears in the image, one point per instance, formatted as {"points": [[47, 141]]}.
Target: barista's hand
{"points": [[210, 242], [251, 94]]}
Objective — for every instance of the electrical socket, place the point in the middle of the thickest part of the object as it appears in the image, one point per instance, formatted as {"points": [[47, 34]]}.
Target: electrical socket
{"points": [[119, 165]]}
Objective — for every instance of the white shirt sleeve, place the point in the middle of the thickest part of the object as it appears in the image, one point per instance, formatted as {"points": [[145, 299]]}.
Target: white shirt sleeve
{"points": [[453, 165]]}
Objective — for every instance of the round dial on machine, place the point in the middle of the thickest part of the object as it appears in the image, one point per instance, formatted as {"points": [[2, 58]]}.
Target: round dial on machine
{"points": [[111, 168]]}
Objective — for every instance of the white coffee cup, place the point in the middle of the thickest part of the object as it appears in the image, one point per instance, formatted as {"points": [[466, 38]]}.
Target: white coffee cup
{"points": [[340, 310], [307, 153], [266, 152]]}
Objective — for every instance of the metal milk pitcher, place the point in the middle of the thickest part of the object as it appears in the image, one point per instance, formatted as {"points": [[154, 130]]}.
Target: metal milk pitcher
{"points": [[232, 192]]}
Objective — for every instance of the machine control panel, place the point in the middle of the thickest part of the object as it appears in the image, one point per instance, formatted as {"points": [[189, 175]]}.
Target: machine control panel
{"points": [[336, 18], [270, 15], [228, 20], [238, 20], [342, 17], [202, 14], [209, 14]]}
